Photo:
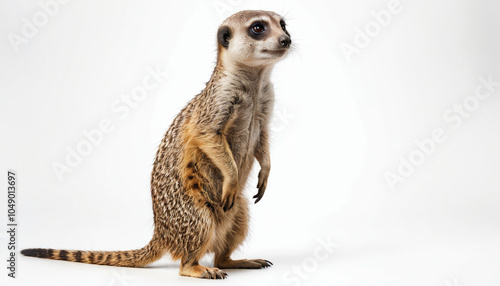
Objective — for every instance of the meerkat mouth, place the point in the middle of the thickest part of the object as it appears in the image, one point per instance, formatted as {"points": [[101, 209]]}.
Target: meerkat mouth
{"points": [[277, 52]]}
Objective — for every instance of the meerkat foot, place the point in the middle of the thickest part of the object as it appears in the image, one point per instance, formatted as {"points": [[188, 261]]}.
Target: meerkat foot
{"points": [[244, 264], [200, 271]]}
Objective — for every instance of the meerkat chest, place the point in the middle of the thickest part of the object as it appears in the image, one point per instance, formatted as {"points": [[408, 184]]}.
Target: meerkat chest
{"points": [[249, 118], [246, 114]]}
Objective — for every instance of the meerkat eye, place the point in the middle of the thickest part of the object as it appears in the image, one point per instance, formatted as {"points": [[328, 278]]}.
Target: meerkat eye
{"points": [[283, 25], [258, 28]]}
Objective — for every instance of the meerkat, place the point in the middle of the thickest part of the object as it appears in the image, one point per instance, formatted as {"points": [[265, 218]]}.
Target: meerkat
{"points": [[206, 156]]}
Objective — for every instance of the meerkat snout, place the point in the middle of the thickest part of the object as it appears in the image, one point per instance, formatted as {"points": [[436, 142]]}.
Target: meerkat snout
{"points": [[285, 41]]}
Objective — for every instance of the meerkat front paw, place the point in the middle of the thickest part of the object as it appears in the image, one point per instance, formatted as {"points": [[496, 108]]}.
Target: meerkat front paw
{"points": [[262, 184]]}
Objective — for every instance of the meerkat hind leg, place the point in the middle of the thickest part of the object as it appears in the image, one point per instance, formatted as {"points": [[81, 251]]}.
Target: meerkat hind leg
{"points": [[234, 238], [200, 271], [191, 268], [244, 264]]}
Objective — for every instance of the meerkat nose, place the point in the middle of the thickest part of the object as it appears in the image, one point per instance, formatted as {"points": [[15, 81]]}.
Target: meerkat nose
{"points": [[285, 41]]}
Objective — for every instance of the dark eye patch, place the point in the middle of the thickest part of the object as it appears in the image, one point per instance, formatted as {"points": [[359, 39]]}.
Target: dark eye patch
{"points": [[283, 26]]}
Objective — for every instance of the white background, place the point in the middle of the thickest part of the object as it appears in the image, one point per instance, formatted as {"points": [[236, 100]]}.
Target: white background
{"points": [[339, 127]]}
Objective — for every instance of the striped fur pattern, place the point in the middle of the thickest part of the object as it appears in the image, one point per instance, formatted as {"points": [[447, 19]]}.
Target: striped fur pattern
{"points": [[204, 160], [132, 258]]}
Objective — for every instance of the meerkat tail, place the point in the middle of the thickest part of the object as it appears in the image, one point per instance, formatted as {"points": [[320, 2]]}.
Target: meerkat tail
{"points": [[131, 258]]}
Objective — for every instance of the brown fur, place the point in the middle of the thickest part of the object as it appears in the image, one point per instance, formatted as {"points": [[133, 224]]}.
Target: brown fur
{"points": [[201, 168]]}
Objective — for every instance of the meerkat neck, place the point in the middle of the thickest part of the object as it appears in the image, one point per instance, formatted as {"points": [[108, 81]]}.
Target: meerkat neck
{"points": [[242, 73]]}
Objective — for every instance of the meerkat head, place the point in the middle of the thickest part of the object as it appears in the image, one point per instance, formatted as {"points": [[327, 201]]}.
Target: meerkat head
{"points": [[253, 38]]}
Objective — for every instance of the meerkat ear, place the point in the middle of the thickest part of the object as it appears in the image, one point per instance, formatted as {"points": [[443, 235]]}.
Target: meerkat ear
{"points": [[223, 36]]}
